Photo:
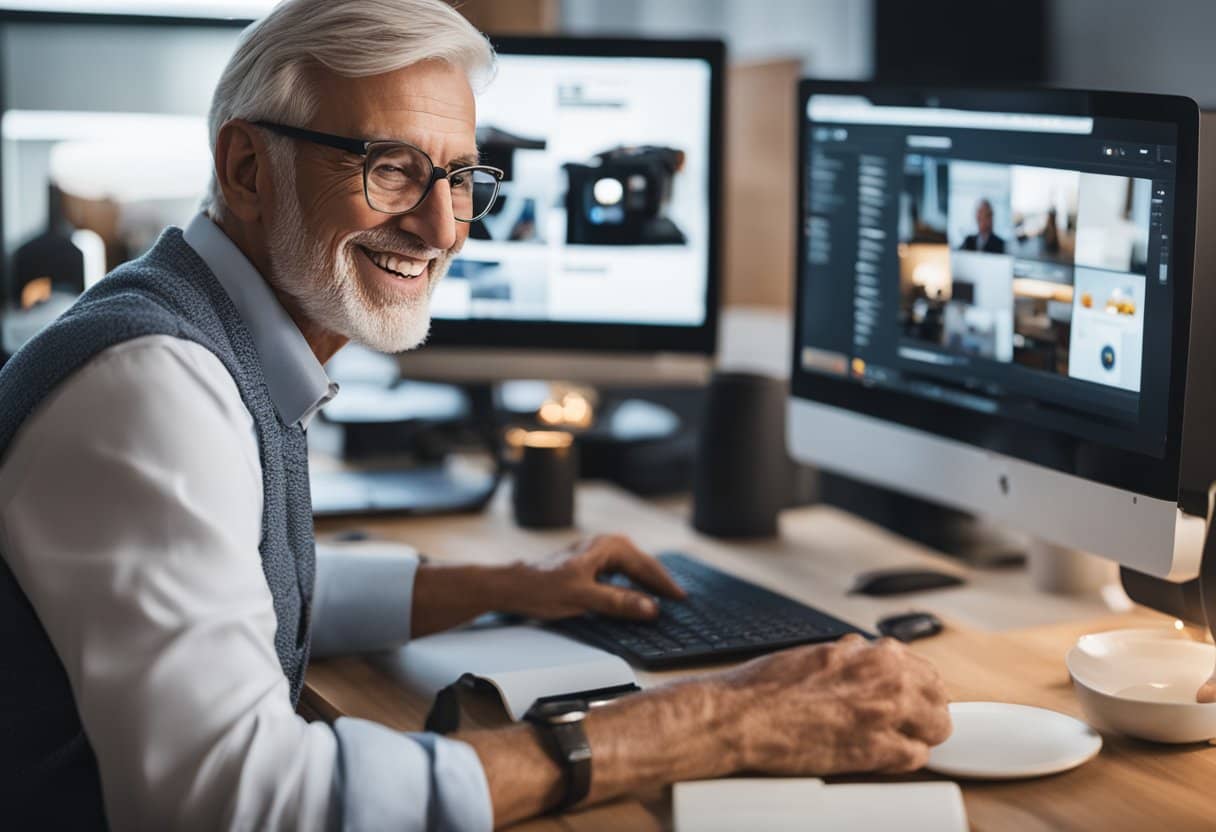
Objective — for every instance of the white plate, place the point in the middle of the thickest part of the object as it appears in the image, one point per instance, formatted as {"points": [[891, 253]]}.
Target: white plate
{"points": [[998, 741]]}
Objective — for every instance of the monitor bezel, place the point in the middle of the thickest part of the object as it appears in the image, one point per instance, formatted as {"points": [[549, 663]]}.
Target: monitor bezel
{"points": [[1102, 463], [616, 337]]}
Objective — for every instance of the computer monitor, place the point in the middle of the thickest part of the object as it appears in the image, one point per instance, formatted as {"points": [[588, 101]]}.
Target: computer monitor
{"points": [[600, 260], [997, 309]]}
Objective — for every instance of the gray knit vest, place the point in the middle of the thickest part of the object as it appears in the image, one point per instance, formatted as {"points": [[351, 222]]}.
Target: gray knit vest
{"points": [[45, 756]]}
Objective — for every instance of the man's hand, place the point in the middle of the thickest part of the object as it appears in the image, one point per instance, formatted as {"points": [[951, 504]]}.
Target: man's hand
{"points": [[847, 707], [836, 708], [566, 583], [562, 585]]}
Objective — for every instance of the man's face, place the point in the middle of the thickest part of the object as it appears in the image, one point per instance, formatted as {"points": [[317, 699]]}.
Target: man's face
{"points": [[351, 270], [983, 218]]}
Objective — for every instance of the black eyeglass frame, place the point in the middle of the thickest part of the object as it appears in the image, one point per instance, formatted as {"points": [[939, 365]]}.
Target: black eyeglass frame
{"points": [[364, 148]]}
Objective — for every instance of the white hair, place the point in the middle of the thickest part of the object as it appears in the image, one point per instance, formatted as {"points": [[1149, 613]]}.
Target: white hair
{"points": [[267, 76]]}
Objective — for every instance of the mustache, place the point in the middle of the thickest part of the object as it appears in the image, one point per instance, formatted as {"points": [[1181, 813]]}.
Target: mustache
{"points": [[405, 243]]}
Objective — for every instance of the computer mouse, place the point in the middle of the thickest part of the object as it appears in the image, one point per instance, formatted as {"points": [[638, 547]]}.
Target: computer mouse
{"points": [[910, 626], [899, 581]]}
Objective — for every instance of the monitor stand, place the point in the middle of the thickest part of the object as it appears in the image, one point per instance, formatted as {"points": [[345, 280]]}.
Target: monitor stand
{"points": [[1063, 571], [943, 529]]}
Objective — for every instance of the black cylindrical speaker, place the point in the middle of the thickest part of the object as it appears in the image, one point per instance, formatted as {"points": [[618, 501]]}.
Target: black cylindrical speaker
{"points": [[742, 470]]}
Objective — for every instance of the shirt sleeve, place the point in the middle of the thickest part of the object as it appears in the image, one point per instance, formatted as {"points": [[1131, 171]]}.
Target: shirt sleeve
{"points": [[363, 598], [130, 513]]}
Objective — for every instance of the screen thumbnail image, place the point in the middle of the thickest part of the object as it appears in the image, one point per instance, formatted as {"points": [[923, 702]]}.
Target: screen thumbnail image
{"points": [[978, 216], [1112, 222], [603, 211], [1044, 204], [1042, 324], [960, 301], [1107, 328], [924, 200]]}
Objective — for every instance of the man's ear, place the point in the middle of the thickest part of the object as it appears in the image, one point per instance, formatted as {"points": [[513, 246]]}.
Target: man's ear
{"points": [[242, 168]]}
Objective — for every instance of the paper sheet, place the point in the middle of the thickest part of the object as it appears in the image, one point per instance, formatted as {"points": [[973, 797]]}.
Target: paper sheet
{"points": [[810, 805]]}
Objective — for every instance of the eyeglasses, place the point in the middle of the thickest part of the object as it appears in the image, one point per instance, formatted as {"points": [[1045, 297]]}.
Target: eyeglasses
{"points": [[397, 177]]}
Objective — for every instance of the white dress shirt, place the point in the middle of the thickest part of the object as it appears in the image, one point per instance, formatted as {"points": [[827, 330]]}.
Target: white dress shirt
{"points": [[130, 514]]}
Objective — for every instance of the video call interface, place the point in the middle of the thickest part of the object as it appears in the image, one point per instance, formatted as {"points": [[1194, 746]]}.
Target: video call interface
{"points": [[1009, 263], [603, 215]]}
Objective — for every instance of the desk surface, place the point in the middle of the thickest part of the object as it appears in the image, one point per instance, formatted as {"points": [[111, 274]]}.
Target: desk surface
{"points": [[1131, 785]]}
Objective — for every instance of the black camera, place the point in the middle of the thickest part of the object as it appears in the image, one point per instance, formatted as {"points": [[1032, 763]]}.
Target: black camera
{"points": [[618, 199]]}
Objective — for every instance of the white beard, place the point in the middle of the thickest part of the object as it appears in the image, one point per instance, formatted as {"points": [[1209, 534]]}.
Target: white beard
{"points": [[328, 289]]}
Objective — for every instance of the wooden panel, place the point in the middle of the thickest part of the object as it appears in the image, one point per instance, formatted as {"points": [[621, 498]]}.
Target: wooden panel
{"points": [[758, 215], [512, 17]]}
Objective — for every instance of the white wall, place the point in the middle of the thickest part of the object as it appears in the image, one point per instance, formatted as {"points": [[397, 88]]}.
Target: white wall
{"points": [[1166, 46], [832, 37]]}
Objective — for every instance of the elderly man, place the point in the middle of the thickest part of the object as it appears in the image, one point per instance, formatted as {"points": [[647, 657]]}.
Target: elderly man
{"points": [[983, 239], [161, 593]]}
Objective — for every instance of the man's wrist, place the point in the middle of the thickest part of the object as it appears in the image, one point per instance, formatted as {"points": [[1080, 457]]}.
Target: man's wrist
{"points": [[506, 586], [719, 705], [446, 596]]}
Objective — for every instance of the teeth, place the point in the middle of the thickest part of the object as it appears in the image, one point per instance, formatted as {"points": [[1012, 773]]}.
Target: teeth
{"points": [[403, 266]]}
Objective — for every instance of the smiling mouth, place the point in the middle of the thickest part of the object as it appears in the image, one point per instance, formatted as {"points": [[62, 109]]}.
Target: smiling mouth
{"points": [[404, 268]]}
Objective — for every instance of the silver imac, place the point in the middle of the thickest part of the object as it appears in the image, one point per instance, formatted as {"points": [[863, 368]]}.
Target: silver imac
{"points": [[599, 262], [998, 309]]}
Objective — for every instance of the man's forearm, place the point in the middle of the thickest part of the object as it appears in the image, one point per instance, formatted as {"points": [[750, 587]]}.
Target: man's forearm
{"points": [[447, 596], [680, 732]]}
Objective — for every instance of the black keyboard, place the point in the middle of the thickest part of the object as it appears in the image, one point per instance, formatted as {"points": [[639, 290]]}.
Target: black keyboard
{"points": [[723, 617]]}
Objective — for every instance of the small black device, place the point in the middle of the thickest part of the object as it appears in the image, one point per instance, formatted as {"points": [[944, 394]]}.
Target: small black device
{"points": [[723, 617], [740, 486], [910, 626], [560, 727], [900, 581]]}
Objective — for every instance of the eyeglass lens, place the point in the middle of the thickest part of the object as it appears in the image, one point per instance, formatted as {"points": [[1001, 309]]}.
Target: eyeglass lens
{"points": [[397, 177]]}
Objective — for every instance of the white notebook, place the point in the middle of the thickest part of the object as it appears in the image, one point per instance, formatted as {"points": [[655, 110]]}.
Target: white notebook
{"points": [[810, 805], [524, 663]]}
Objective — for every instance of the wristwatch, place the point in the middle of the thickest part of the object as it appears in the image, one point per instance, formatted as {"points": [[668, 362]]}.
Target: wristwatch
{"points": [[559, 724]]}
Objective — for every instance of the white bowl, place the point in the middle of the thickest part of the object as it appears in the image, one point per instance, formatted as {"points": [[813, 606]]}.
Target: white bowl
{"points": [[1143, 683]]}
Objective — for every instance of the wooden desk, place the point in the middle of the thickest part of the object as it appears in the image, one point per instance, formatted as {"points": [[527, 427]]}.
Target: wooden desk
{"points": [[1131, 785]]}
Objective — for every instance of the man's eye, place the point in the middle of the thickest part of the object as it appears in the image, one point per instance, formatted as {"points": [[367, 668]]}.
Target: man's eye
{"points": [[460, 180], [390, 170]]}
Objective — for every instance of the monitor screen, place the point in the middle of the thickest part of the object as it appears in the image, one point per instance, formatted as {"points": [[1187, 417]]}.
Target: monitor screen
{"points": [[604, 232], [996, 267], [604, 214]]}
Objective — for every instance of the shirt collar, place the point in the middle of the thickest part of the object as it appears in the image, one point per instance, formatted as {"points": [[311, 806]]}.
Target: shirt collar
{"points": [[299, 386]]}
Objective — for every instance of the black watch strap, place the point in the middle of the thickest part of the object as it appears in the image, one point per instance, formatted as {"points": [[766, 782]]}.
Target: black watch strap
{"points": [[561, 732]]}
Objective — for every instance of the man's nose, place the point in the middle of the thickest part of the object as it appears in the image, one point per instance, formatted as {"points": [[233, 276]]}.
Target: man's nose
{"points": [[433, 220]]}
